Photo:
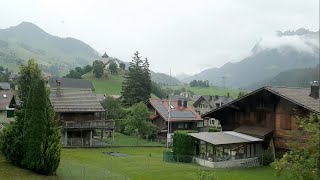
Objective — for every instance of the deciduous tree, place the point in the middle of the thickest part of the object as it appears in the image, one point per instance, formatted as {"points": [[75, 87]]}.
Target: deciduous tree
{"points": [[98, 68], [302, 161]]}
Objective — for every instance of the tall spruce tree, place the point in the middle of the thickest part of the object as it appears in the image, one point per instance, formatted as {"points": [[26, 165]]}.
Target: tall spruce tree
{"points": [[33, 140], [41, 134], [12, 137], [147, 83], [137, 84]]}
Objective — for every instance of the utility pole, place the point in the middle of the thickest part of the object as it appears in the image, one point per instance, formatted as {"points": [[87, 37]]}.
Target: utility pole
{"points": [[169, 115], [224, 81]]}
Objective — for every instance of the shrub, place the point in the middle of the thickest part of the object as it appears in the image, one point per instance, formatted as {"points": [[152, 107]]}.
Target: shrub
{"points": [[182, 146], [267, 158], [214, 129]]}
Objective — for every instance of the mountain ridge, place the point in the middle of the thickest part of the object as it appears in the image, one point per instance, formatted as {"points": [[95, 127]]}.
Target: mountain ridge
{"points": [[265, 61]]}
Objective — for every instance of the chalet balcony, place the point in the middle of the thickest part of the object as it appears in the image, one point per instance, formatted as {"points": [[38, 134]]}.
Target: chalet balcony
{"points": [[93, 124]]}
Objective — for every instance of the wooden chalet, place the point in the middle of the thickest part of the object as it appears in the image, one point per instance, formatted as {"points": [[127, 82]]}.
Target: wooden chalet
{"points": [[268, 113], [80, 114], [183, 117]]}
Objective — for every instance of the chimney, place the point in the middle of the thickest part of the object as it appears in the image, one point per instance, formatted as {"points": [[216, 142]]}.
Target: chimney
{"points": [[58, 92], [210, 98], [179, 102], [314, 93], [185, 103]]}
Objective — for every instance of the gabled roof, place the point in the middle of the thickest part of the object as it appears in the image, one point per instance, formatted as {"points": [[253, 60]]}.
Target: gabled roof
{"points": [[6, 97], [71, 83], [298, 96], [105, 55], [177, 114], [4, 86], [75, 100], [213, 100]]}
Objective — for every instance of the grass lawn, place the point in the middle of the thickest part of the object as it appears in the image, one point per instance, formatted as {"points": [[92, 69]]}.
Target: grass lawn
{"points": [[112, 85], [93, 164], [213, 90], [106, 85], [124, 140]]}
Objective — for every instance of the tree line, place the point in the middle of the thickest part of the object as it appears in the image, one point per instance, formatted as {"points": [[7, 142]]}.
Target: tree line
{"points": [[97, 69], [199, 83]]}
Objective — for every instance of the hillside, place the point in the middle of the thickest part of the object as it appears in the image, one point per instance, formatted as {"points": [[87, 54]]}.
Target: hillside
{"points": [[111, 84], [26, 40], [106, 85], [212, 90], [298, 49], [164, 79], [291, 78]]}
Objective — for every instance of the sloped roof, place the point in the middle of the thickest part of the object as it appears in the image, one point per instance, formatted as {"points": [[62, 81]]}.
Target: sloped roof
{"points": [[213, 100], [177, 114], [299, 96], [105, 55], [255, 131], [5, 98], [71, 83], [225, 137], [75, 100]]}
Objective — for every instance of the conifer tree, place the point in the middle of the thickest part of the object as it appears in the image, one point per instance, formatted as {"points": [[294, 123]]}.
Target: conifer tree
{"points": [[33, 140], [41, 133], [12, 137], [147, 83], [137, 84]]}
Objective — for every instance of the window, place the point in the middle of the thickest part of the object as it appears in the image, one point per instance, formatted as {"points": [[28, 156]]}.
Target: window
{"points": [[214, 122], [186, 125], [285, 122], [180, 125], [200, 124]]}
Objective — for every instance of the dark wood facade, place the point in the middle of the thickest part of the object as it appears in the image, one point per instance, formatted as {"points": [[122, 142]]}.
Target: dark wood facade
{"points": [[81, 116], [262, 108]]}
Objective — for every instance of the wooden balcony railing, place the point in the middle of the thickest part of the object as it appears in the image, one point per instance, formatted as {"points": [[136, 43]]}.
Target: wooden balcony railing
{"points": [[106, 124]]}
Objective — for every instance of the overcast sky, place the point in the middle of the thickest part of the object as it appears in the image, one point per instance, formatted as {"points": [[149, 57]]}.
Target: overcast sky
{"points": [[187, 36]]}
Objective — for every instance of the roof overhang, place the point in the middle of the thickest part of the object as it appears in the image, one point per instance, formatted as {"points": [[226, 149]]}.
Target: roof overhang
{"points": [[231, 104], [225, 137]]}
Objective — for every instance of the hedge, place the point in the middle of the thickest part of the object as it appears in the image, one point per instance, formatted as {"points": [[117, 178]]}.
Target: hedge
{"points": [[182, 146]]}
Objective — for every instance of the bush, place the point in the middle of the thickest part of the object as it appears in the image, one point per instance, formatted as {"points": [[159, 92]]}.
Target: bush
{"points": [[214, 129], [182, 146], [267, 158]]}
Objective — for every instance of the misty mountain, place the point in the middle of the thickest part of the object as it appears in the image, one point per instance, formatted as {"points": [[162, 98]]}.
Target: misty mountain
{"points": [[26, 40], [164, 79], [288, 50], [290, 78], [182, 76]]}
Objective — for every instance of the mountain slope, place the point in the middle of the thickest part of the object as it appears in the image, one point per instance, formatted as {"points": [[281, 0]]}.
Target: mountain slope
{"points": [[164, 79], [288, 51], [26, 40], [291, 78]]}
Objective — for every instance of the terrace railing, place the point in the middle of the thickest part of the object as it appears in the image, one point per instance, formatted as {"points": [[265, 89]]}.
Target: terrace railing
{"points": [[103, 124]]}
